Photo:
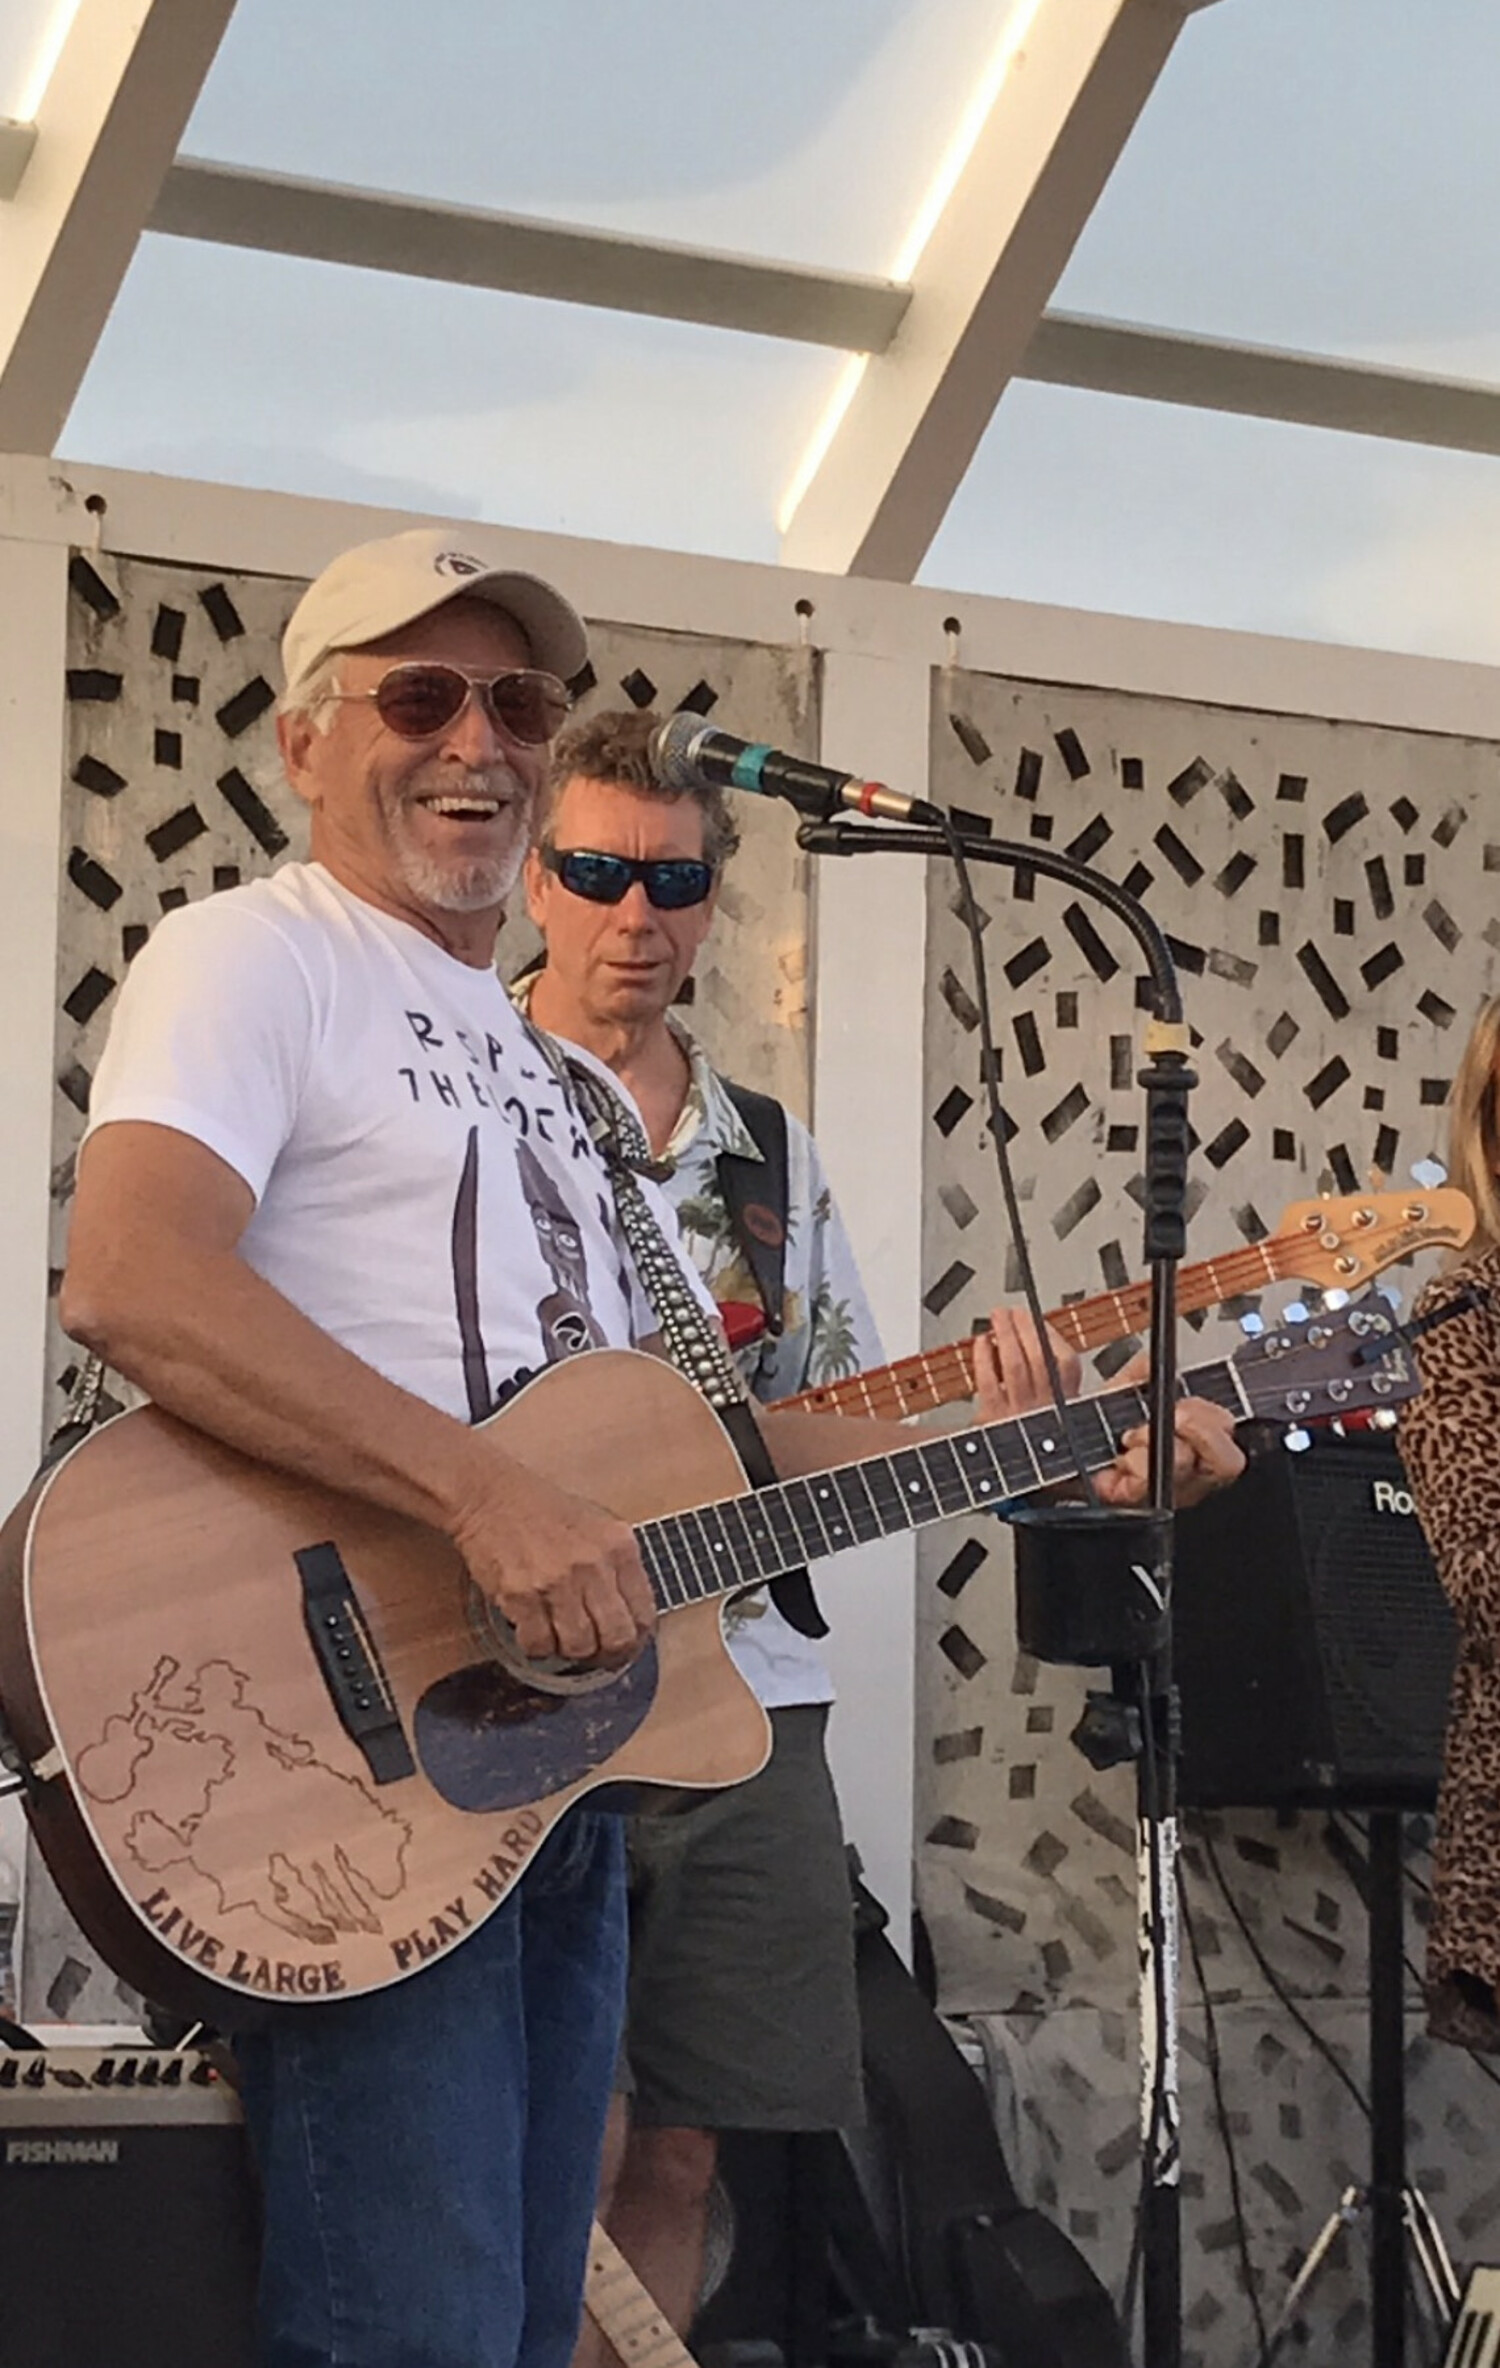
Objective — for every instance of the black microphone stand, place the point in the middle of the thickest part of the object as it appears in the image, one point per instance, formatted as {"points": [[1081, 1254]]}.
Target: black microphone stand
{"points": [[1139, 1719]]}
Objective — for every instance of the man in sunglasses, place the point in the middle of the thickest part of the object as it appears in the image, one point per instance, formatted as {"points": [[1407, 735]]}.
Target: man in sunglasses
{"points": [[742, 2005], [334, 1206]]}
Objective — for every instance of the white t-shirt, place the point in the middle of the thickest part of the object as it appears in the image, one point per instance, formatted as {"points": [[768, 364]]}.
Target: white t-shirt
{"points": [[424, 1189]]}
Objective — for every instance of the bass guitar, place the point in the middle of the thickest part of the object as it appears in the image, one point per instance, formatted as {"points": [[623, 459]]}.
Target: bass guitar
{"points": [[278, 1745], [1334, 1244]]}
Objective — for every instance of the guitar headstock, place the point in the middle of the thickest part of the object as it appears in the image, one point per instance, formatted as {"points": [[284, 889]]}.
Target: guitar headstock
{"points": [[1339, 1243], [1329, 1363]]}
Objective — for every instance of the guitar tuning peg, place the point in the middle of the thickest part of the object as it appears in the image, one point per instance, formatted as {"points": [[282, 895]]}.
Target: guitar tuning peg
{"points": [[1377, 1178]]}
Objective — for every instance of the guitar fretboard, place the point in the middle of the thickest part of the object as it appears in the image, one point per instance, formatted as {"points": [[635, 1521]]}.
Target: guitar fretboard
{"points": [[743, 1541], [938, 1376]]}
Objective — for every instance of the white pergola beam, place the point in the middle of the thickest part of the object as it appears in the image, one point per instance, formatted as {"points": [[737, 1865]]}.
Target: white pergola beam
{"points": [[883, 473], [17, 140], [427, 240], [106, 130], [277, 214], [1262, 382]]}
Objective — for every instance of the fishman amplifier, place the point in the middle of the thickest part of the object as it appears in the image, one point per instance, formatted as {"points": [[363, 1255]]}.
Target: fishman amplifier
{"points": [[127, 2212]]}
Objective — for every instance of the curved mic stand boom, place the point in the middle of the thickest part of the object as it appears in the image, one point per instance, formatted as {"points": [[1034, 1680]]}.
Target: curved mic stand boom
{"points": [[1139, 1719]]}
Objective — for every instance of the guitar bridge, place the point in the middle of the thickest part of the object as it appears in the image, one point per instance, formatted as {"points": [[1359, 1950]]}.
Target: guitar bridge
{"points": [[352, 1670]]}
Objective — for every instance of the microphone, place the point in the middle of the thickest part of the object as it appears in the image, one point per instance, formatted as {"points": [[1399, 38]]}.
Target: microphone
{"points": [[685, 753]]}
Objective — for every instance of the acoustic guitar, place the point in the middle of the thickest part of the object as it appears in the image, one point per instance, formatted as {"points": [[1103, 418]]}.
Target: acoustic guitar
{"points": [[1334, 1244], [280, 1747]]}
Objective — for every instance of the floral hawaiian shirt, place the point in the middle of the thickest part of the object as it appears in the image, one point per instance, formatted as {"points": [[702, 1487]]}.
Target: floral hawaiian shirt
{"points": [[828, 1329]]}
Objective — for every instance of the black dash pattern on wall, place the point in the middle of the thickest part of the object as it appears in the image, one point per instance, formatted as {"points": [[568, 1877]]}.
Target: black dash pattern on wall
{"points": [[218, 607], [250, 806], [1322, 981], [88, 585], [246, 707], [960, 1568], [971, 740], [1070, 749], [1089, 943], [177, 832]]}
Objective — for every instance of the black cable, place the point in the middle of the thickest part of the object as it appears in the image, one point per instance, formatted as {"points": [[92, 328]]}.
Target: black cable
{"points": [[989, 1070], [1278, 1987], [1226, 2134]]}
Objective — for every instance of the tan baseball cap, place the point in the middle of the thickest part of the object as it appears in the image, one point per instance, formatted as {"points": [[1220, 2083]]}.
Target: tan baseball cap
{"points": [[378, 587]]}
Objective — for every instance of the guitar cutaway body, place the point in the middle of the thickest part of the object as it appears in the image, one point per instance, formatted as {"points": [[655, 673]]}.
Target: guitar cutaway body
{"points": [[260, 1779]]}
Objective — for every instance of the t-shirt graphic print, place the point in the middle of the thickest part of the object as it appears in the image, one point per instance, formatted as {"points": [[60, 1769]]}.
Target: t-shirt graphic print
{"points": [[424, 1188]]}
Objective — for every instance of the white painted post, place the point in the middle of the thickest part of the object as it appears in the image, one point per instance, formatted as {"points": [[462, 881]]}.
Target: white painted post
{"points": [[870, 933], [33, 604]]}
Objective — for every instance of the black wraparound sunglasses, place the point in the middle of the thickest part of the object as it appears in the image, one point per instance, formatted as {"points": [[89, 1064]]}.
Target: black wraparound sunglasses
{"points": [[418, 701], [671, 882]]}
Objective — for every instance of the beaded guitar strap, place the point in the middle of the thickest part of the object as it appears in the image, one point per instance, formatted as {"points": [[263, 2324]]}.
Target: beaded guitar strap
{"points": [[693, 1341]]}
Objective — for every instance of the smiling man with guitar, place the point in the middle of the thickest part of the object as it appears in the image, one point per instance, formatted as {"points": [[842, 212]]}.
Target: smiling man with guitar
{"points": [[309, 1658]]}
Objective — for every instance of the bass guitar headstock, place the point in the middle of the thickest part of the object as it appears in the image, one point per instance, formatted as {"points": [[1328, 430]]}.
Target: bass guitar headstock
{"points": [[1341, 1243]]}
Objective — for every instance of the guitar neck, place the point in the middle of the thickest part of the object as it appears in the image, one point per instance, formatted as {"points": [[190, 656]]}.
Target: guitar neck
{"points": [[625, 2313], [942, 1376], [745, 1540]]}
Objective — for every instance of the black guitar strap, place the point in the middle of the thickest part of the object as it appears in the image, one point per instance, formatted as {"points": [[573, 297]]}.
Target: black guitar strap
{"points": [[756, 1195]]}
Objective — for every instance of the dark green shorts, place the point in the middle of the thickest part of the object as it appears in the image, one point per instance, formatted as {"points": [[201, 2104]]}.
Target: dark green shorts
{"points": [[742, 2007]]}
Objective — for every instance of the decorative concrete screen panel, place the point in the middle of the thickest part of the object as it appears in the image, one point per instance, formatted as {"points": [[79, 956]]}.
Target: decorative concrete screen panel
{"points": [[175, 791], [1330, 891]]}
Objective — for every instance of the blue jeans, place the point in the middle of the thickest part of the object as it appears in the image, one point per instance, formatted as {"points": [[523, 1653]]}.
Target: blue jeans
{"points": [[430, 2153]]}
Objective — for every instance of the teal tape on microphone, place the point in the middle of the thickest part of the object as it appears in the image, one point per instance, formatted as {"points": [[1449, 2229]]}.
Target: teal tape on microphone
{"points": [[749, 765]]}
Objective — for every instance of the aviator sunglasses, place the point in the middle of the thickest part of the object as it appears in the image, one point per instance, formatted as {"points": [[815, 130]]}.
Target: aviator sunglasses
{"points": [[671, 882], [418, 701]]}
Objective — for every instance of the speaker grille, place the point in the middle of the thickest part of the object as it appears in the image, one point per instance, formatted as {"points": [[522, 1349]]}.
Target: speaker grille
{"points": [[1315, 1644], [1384, 1628]]}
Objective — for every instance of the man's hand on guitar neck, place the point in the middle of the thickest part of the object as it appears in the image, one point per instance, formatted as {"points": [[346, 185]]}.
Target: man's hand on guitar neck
{"points": [[1207, 1455], [1010, 1368], [1012, 1377]]}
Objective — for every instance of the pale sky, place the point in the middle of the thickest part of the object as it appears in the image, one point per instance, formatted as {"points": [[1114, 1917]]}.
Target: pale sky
{"points": [[1319, 173]]}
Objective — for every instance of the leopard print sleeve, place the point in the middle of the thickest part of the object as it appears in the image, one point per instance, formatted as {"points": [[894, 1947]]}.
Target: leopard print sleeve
{"points": [[1450, 1444]]}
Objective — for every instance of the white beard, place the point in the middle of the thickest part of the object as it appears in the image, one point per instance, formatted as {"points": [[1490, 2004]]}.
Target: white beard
{"points": [[462, 884]]}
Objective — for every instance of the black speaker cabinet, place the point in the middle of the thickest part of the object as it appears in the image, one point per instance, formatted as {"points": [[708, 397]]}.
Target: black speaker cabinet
{"points": [[1314, 1644], [128, 2233]]}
